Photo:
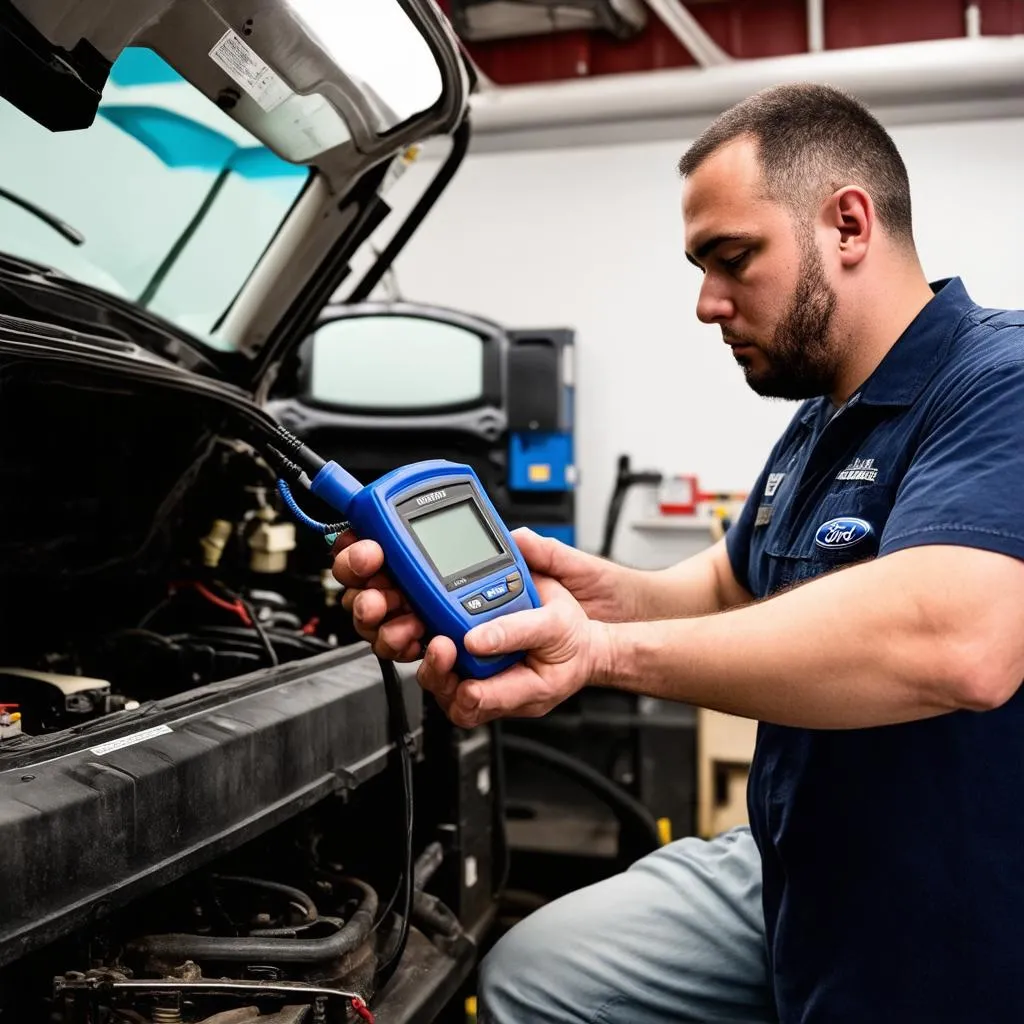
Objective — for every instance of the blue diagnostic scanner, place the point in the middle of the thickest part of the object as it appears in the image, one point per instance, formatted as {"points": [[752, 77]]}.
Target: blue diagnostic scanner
{"points": [[445, 547]]}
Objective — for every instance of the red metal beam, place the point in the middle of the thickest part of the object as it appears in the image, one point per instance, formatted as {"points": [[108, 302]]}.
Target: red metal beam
{"points": [[745, 29]]}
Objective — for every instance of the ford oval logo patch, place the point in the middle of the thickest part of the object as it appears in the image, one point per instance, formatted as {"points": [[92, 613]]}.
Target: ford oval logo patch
{"points": [[837, 534]]}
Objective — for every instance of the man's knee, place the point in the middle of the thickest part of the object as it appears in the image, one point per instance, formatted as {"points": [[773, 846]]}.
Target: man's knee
{"points": [[516, 976], [679, 937]]}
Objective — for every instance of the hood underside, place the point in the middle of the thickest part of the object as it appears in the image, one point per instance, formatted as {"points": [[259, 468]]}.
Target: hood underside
{"points": [[318, 104]]}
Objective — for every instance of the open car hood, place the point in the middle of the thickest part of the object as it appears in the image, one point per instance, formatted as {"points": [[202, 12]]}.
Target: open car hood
{"points": [[337, 94]]}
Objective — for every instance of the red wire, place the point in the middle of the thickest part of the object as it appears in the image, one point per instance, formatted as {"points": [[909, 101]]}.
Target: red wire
{"points": [[362, 1009], [232, 606]]}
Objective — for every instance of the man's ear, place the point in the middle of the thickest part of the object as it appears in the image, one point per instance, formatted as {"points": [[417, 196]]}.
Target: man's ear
{"points": [[850, 213]]}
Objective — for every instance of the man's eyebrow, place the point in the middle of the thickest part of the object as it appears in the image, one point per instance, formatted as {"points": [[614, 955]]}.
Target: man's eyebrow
{"points": [[705, 249]]}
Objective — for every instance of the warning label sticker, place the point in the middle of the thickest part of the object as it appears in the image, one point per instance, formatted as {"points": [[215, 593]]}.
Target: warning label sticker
{"points": [[128, 741], [240, 61]]}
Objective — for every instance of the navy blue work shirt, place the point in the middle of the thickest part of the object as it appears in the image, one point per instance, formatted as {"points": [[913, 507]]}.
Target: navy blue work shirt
{"points": [[894, 856]]}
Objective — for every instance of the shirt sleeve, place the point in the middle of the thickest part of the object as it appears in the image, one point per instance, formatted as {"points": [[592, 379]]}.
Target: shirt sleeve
{"points": [[737, 537], [965, 484]]}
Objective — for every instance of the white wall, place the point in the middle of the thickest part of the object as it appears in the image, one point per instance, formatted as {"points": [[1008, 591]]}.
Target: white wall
{"points": [[591, 238]]}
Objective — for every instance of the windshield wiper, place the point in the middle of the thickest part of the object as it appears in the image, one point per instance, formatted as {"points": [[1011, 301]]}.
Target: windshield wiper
{"points": [[73, 235]]}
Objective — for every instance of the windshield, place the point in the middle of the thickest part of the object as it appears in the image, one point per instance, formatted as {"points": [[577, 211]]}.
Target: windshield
{"points": [[172, 201]]}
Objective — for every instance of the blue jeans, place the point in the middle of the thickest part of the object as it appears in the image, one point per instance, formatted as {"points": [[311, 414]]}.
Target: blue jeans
{"points": [[679, 937]]}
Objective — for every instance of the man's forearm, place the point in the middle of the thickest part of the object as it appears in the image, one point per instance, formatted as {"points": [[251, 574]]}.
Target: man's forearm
{"points": [[849, 650], [699, 585]]}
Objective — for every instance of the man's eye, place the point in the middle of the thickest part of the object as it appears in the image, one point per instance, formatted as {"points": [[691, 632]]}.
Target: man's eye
{"points": [[736, 263]]}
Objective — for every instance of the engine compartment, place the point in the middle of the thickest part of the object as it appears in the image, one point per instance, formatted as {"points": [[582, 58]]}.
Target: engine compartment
{"points": [[145, 558], [143, 552]]}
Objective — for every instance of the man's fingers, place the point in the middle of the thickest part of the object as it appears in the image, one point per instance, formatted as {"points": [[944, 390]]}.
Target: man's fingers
{"points": [[436, 673], [358, 562], [396, 636], [372, 607], [379, 582], [411, 653], [342, 541], [368, 607]]}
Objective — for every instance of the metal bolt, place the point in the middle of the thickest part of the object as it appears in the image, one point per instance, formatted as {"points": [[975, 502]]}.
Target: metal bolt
{"points": [[320, 1010]]}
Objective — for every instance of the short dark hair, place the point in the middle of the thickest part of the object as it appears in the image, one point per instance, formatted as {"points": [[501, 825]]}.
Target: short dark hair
{"points": [[812, 140]]}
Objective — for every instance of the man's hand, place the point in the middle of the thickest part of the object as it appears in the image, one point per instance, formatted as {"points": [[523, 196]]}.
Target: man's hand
{"points": [[606, 591], [380, 613], [382, 617], [565, 649]]}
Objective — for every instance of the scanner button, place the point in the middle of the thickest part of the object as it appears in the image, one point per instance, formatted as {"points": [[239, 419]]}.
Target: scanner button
{"points": [[515, 583], [494, 592], [475, 604]]}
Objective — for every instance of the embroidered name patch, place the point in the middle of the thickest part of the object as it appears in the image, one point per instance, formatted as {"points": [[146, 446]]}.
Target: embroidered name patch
{"points": [[860, 469]]}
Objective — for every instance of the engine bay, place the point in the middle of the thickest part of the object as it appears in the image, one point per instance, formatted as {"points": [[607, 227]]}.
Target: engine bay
{"points": [[147, 559], [143, 552]]}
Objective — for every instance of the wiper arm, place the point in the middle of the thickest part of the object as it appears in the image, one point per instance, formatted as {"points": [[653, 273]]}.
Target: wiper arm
{"points": [[73, 235]]}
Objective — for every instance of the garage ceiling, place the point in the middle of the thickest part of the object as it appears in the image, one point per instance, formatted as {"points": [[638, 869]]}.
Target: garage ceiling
{"points": [[736, 29]]}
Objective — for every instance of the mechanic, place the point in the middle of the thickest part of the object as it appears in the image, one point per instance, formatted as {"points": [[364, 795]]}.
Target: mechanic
{"points": [[882, 877]]}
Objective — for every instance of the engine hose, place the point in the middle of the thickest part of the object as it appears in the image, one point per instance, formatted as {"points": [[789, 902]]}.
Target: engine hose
{"points": [[430, 913], [626, 808], [293, 894], [427, 864], [180, 947]]}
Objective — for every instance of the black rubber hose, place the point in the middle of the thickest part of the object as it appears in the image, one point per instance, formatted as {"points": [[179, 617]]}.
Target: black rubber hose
{"points": [[432, 915], [626, 808], [285, 950], [293, 894], [427, 864]]}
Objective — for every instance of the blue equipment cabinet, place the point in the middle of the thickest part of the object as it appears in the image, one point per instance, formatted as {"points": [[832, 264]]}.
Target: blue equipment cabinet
{"points": [[541, 406]]}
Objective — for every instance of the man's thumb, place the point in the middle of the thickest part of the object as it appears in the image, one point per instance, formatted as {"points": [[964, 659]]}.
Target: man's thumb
{"points": [[520, 631]]}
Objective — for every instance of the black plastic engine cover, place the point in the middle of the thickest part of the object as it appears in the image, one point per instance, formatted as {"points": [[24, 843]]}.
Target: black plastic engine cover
{"points": [[141, 798]]}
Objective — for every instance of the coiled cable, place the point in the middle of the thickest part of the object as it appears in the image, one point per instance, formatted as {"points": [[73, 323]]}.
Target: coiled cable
{"points": [[325, 528]]}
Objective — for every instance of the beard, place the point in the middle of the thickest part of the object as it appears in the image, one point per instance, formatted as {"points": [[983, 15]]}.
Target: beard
{"points": [[801, 358]]}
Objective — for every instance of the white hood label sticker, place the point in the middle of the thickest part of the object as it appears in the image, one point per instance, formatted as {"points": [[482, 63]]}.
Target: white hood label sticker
{"points": [[238, 59]]}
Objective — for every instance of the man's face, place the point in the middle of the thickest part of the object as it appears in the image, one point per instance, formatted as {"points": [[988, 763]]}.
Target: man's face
{"points": [[764, 282]]}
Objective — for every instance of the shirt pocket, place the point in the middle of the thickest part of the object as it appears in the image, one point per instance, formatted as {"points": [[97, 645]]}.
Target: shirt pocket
{"points": [[842, 529]]}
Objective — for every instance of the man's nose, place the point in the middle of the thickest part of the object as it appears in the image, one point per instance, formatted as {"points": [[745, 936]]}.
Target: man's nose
{"points": [[713, 302]]}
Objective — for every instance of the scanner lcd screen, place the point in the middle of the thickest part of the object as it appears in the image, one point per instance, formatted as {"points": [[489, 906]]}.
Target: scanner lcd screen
{"points": [[455, 538]]}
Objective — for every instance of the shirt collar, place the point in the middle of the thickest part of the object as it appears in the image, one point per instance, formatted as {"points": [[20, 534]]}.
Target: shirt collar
{"points": [[919, 351]]}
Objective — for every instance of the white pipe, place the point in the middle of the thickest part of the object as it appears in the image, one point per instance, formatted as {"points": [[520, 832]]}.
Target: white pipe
{"points": [[689, 31], [815, 25], [906, 73], [972, 21]]}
